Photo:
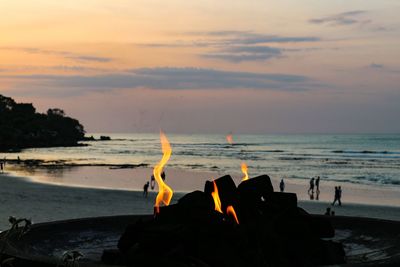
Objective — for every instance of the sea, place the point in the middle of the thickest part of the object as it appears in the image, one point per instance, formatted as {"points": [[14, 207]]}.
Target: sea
{"points": [[367, 159]]}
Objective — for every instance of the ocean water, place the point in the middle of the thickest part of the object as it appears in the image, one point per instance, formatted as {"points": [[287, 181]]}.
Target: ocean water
{"points": [[359, 159]]}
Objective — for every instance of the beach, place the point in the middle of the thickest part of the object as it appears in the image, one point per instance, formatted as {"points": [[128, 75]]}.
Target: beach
{"points": [[45, 198]]}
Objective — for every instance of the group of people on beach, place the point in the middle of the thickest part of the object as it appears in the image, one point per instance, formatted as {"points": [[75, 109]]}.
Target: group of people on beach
{"points": [[314, 184]]}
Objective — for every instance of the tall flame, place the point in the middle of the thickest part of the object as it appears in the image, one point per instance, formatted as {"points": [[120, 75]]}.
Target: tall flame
{"points": [[244, 170], [217, 200], [165, 192], [229, 139], [231, 212]]}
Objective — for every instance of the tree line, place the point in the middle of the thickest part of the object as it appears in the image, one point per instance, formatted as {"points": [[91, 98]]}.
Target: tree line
{"points": [[22, 127]]}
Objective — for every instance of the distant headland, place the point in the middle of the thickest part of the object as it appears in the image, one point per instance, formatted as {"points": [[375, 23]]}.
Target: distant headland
{"points": [[22, 127]]}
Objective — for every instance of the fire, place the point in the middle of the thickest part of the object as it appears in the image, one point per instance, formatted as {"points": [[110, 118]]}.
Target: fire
{"points": [[229, 139], [165, 192], [217, 200], [244, 170], [231, 212]]}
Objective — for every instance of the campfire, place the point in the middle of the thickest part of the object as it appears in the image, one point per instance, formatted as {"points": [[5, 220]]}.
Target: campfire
{"points": [[227, 225]]}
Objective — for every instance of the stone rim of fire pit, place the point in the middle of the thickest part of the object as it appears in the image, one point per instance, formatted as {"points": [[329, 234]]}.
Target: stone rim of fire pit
{"points": [[364, 231]]}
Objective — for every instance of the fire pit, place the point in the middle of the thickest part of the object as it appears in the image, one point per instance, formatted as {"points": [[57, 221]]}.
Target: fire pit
{"points": [[250, 225]]}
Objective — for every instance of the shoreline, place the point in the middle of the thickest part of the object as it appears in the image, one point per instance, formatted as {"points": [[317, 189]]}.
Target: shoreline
{"points": [[133, 177], [43, 202]]}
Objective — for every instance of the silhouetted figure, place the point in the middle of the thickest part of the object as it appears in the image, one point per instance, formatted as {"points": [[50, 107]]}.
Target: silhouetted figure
{"points": [[317, 184], [328, 211], [18, 160], [338, 193], [311, 186], [146, 189], [1, 167], [282, 185]]}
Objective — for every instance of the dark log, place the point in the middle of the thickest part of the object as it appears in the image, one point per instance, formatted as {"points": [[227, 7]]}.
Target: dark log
{"points": [[196, 200], [254, 190], [226, 190]]}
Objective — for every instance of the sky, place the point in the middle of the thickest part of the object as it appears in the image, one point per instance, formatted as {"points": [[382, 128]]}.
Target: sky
{"points": [[246, 67]]}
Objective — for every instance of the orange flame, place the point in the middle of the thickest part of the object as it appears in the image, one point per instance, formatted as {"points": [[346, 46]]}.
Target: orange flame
{"points": [[231, 211], [244, 170], [229, 139], [165, 192], [217, 200]]}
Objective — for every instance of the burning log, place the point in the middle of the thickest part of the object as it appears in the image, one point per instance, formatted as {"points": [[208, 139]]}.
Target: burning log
{"points": [[226, 191]]}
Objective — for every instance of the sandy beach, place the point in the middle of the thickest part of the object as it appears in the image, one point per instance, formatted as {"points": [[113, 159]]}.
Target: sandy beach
{"points": [[47, 198]]}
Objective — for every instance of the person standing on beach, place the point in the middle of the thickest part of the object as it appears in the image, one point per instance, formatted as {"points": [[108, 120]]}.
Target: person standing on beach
{"points": [[311, 186], [1, 167], [317, 184], [340, 195], [337, 196], [282, 185], [146, 189]]}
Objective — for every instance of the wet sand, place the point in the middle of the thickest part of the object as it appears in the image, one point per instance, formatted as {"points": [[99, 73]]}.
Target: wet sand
{"points": [[42, 201], [105, 177]]}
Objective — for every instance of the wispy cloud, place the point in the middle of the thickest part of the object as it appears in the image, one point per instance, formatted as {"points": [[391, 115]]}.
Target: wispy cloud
{"points": [[345, 18], [167, 78], [252, 39], [245, 53], [355, 18], [50, 68], [218, 38], [237, 46], [90, 58], [64, 54]]}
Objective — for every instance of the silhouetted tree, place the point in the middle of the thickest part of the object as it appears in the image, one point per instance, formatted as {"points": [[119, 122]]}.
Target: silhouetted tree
{"points": [[22, 127]]}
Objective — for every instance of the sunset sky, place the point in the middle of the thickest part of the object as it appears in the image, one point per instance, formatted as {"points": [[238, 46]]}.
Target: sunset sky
{"points": [[289, 66]]}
